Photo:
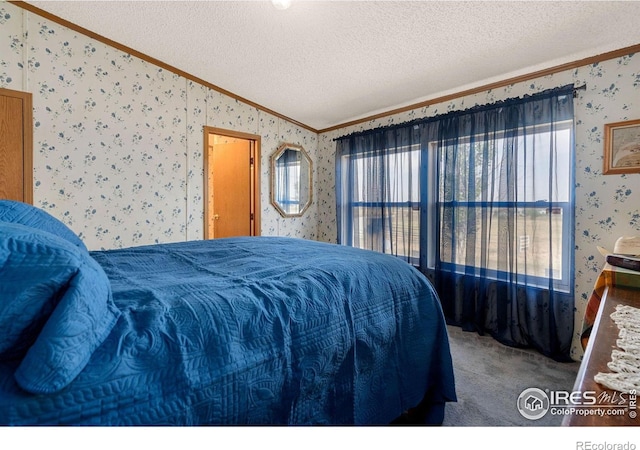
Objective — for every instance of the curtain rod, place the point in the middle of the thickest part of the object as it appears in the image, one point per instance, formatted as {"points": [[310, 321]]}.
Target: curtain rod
{"points": [[475, 108], [579, 88]]}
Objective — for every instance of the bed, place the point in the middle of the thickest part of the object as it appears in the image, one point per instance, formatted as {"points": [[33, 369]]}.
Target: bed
{"points": [[238, 331]]}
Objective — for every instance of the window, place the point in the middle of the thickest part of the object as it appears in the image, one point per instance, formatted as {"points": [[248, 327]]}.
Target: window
{"points": [[383, 202], [384, 206], [518, 226], [482, 201]]}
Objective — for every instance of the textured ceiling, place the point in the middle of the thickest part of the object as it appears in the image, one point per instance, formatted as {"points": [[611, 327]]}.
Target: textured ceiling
{"points": [[324, 63]]}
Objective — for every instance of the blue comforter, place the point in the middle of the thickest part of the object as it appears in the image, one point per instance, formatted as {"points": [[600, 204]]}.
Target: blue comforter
{"points": [[260, 330]]}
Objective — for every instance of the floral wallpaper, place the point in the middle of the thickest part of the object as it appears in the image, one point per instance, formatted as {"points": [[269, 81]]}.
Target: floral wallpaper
{"points": [[118, 142], [607, 206]]}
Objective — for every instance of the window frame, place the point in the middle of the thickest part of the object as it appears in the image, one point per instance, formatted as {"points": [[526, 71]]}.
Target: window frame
{"points": [[348, 225], [429, 205], [564, 283]]}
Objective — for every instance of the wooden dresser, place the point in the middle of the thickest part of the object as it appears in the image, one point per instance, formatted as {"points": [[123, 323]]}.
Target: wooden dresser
{"points": [[598, 354]]}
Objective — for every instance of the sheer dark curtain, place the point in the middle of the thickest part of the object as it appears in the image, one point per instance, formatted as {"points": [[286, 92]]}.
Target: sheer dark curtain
{"points": [[505, 243], [481, 201], [379, 196]]}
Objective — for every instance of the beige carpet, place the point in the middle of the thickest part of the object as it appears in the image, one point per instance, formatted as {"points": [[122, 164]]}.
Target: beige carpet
{"points": [[490, 377]]}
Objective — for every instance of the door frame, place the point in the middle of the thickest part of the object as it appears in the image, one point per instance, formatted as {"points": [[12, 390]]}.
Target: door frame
{"points": [[27, 140], [254, 140]]}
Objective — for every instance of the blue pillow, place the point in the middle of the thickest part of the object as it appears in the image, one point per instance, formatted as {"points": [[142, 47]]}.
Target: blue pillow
{"points": [[24, 214], [55, 305], [34, 269]]}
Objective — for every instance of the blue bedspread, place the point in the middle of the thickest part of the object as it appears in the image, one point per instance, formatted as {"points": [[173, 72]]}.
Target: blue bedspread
{"points": [[260, 330]]}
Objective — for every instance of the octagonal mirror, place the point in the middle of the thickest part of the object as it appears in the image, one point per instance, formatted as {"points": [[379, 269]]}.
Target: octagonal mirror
{"points": [[291, 180]]}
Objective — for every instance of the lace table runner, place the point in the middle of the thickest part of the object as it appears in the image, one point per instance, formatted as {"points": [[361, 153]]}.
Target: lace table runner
{"points": [[625, 361]]}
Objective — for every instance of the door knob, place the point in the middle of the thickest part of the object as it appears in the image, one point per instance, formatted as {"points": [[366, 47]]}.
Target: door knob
{"points": [[216, 216]]}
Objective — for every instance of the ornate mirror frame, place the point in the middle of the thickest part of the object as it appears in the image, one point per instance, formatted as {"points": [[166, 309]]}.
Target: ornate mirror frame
{"points": [[296, 203]]}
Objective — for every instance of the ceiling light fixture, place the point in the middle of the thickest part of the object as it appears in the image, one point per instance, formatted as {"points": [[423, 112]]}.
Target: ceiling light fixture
{"points": [[281, 4]]}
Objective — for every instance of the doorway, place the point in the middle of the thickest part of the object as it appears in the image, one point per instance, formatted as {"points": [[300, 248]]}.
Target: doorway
{"points": [[16, 146], [231, 183]]}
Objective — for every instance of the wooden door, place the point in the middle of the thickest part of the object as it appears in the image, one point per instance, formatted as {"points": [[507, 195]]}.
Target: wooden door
{"points": [[232, 190], [16, 146]]}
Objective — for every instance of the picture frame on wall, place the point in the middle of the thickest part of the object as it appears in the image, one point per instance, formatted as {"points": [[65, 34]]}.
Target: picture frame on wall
{"points": [[622, 147]]}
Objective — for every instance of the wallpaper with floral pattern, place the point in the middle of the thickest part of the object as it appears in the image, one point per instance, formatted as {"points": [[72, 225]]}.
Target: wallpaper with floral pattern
{"points": [[118, 144]]}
